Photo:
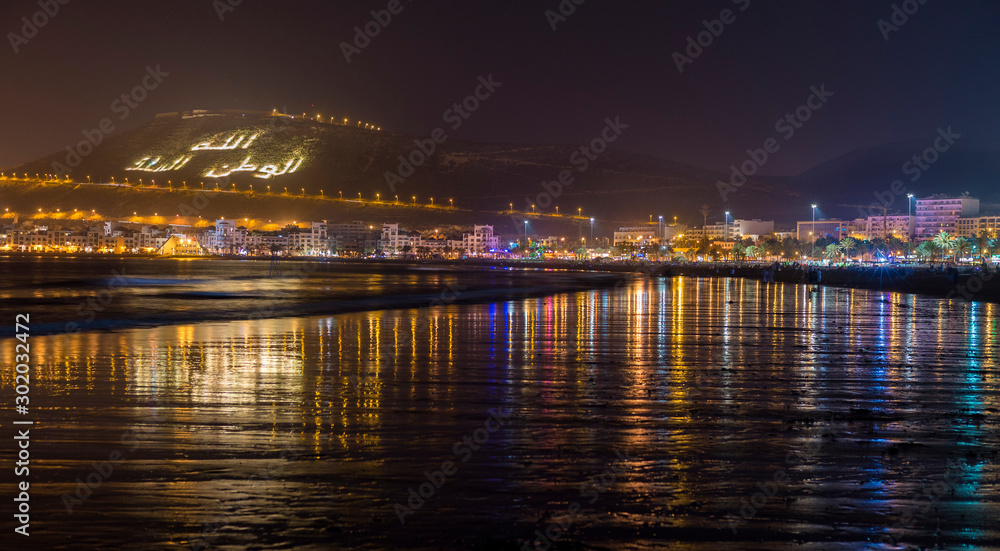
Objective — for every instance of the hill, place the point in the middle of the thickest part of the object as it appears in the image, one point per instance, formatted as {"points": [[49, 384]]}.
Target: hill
{"points": [[966, 165], [319, 161]]}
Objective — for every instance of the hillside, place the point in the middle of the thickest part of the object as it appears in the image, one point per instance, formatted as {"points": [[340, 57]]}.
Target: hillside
{"points": [[967, 165], [311, 158]]}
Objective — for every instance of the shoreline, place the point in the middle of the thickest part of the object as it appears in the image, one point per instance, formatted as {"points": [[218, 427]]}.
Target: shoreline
{"points": [[968, 282]]}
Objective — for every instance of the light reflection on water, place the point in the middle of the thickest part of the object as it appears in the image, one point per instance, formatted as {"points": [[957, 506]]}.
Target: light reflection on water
{"points": [[304, 432]]}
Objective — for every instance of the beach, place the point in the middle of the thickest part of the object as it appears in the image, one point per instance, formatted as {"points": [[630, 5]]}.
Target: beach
{"points": [[696, 413]]}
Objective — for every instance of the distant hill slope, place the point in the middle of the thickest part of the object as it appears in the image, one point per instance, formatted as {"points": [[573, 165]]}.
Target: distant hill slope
{"points": [[618, 187], [967, 165]]}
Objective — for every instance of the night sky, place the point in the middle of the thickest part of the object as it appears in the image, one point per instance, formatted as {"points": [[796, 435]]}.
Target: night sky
{"points": [[606, 59]]}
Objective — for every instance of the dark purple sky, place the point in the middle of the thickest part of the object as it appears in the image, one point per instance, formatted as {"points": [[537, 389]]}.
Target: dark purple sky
{"points": [[608, 58]]}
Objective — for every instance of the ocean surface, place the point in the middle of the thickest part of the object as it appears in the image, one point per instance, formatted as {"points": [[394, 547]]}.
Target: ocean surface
{"points": [[207, 405]]}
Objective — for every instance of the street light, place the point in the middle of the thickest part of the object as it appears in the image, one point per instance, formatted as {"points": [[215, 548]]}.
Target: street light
{"points": [[725, 233], [525, 234], [909, 231], [813, 232], [591, 230]]}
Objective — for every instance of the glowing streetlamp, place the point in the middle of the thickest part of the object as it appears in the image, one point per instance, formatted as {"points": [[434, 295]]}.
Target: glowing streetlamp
{"points": [[725, 231], [909, 232], [813, 232], [591, 230]]}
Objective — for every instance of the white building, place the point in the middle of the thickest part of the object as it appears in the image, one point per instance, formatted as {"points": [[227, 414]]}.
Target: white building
{"points": [[396, 241], [480, 241], [639, 235], [754, 229]]}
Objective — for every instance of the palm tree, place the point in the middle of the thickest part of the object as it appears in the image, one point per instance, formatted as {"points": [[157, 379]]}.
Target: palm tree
{"points": [[944, 242], [923, 251], [962, 247], [927, 250], [738, 251], [848, 244], [983, 245], [831, 251]]}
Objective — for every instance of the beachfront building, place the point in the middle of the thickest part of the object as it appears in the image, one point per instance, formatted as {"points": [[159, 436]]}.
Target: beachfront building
{"points": [[753, 229], [809, 231], [353, 239], [940, 213], [395, 241], [980, 225], [181, 245], [481, 240], [886, 226], [640, 236], [312, 240], [719, 231]]}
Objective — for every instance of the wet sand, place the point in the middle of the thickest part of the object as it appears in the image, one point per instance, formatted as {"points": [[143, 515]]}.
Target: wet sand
{"points": [[682, 413]]}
